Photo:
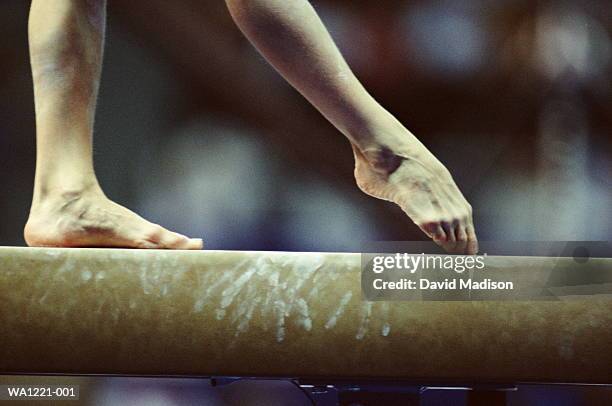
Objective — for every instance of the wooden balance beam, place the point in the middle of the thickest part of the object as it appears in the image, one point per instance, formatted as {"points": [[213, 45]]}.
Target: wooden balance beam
{"points": [[272, 314]]}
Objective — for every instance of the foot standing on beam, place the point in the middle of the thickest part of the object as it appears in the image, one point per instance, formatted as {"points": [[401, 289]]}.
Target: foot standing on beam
{"points": [[69, 208]]}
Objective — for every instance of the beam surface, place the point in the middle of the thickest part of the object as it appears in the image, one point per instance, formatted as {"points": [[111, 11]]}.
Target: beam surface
{"points": [[272, 314]]}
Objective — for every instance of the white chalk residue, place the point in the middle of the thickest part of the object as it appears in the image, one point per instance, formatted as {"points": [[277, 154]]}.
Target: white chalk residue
{"points": [[366, 312], [64, 269], [386, 328], [244, 311], [52, 253], [303, 316], [234, 289], [242, 306], [43, 298], [86, 275], [313, 293], [149, 276], [272, 292], [198, 306], [273, 279], [228, 277], [303, 274], [243, 325], [279, 310], [331, 323], [283, 291], [201, 302]]}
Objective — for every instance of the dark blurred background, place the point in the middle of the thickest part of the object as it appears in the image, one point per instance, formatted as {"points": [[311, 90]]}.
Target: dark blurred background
{"points": [[196, 132]]}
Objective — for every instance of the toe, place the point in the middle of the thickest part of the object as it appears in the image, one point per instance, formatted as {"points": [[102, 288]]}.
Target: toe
{"points": [[450, 244], [174, 241], [195, 244], [472, 240], [449, 230], [158, 237], [434, 230], [462, 238]]}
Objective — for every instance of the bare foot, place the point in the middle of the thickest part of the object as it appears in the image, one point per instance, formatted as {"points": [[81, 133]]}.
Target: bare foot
{"points": [[416, 181], [90, 219]]}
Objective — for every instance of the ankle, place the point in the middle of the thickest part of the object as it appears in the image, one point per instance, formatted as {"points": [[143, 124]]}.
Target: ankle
{"points": [[385, 144], [65, 190], [382, 131], [382, 159]]}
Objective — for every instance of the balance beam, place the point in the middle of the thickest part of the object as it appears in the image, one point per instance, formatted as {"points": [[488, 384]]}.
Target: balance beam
{"points": [[272, 314]]}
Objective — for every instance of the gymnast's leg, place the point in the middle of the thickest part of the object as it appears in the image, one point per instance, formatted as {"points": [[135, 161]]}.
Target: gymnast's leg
{"points": [[391, 163], [69, 208]]}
